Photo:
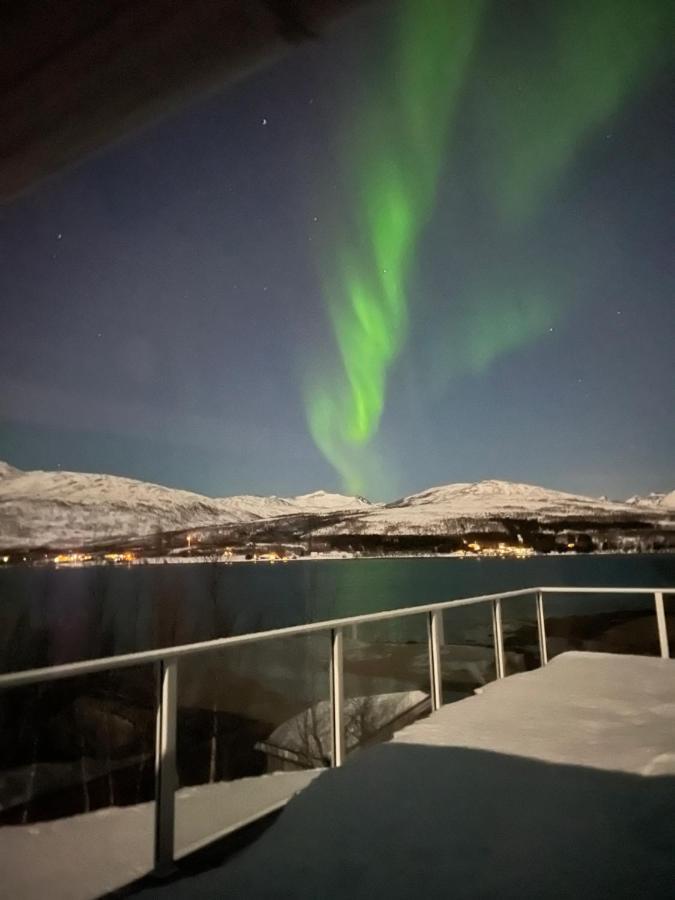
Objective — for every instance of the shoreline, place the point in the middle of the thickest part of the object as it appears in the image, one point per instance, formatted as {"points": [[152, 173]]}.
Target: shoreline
{"points": [[318, 557]]}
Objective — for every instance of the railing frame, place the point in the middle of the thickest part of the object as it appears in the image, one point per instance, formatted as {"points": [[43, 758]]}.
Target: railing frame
{"points": [[166, 662], [434, 630], [661, 624], [337, 698], [541, 628], [498, 637], [165, 766]]}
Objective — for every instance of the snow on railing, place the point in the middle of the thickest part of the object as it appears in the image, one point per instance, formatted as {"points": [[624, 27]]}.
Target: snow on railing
{"points": [[166, 661]]}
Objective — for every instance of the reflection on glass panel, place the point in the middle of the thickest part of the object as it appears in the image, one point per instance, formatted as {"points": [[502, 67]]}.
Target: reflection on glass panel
{"points": [[245, 712], [669, 609], [467, 650], [609, 623], [386, 678], [77, 745], [521, 637], [69, 750]]}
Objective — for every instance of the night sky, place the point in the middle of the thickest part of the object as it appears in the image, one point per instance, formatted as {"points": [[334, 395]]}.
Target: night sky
{"points": [[432, 247]]}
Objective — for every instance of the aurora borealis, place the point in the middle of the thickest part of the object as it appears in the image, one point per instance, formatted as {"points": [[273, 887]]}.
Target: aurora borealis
{"points": [[396, 159], [596, 54], [430, 246], [590, 58]]}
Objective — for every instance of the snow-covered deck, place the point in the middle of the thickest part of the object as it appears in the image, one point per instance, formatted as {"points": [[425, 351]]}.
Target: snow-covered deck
{"points": [[604, 710], [553, 783], [546, 768], [85, 856]]}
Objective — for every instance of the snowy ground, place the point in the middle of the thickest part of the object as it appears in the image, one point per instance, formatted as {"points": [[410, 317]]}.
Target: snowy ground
{"points": [[603, 710], [85, 856], [553, 783]]}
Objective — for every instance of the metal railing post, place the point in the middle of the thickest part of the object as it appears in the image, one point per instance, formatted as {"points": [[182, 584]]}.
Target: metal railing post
{"points": [[434, 628], [498, 635], [541, 629], [165, 765], [661, 624], [336, 698]]}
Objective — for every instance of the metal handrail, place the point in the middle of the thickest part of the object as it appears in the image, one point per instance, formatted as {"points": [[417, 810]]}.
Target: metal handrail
{"points": [[124, 660], [166, 661]]}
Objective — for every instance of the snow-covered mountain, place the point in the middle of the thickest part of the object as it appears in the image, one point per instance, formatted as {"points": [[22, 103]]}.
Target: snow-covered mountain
{"points": [[664, 501], [482, 506], [6, 470], [74, 508], [249, 507]]}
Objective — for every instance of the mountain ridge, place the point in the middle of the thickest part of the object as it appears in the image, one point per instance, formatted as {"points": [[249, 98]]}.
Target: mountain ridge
{"points": [[61, 508], [42, 508]]}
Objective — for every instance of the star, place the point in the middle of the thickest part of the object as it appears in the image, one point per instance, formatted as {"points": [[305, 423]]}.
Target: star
{"points": [[59, 236], [264, 121]]}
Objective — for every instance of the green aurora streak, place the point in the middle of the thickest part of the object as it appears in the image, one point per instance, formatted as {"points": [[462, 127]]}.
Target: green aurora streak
{"points": [[397, 156], [546, 98], [538, 109]]}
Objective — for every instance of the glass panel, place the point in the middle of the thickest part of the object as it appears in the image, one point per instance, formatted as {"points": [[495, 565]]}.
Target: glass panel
{"points": [[610, 623], [669, 609], [70, 749], [521, 637], [386, 678], [246, 712], [467, 650]]}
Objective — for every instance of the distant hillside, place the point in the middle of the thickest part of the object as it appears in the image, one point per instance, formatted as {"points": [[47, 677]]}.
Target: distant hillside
{"points": [[73, 509], [43, 509], [483, 506]]}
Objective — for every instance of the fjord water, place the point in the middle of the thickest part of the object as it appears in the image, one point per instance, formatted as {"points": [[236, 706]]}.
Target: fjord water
{"points": [[50, 616]]}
